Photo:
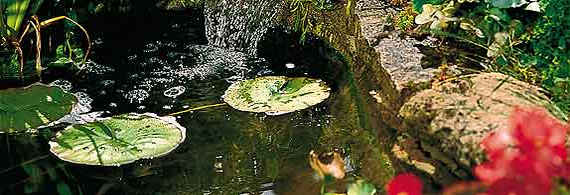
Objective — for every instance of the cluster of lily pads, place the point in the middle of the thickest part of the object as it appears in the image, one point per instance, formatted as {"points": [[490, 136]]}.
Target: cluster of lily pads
{"points": [[128, 137]]}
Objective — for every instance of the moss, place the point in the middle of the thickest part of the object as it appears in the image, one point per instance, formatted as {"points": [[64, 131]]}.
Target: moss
{"points": [[359, 113], [405, 19]]}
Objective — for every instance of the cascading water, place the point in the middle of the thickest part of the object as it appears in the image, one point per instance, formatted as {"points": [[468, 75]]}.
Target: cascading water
{"points": [[240, 25]]}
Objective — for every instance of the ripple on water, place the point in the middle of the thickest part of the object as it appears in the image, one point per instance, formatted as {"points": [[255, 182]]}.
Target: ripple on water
{"points": [[174, 92]]}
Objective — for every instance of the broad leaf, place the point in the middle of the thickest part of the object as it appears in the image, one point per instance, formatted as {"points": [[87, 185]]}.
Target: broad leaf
{"points": [[276, 95], [118, 140], [30, 107]]}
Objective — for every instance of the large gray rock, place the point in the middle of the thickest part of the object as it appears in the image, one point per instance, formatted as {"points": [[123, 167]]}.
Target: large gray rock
{"points": [[399, 56], [444, 126]]}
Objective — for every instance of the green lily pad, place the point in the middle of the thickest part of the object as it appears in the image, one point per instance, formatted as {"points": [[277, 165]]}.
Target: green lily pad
{"points": [[118, 140], [276, 95], [33, 106]]}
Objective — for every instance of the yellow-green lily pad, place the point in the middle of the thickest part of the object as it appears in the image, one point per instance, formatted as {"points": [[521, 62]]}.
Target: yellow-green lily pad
{"points": [[27, 108], [276, 95], [118, 140]]}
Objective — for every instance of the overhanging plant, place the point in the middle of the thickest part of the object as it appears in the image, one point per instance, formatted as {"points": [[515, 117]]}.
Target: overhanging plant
{"points": [[13, 31]]}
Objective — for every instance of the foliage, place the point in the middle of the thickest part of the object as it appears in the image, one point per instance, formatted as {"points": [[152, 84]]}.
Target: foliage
{"points": [[361, 187], [518, 40], [550, 50], [118, 140], [405, 19], [301, 11], [531, 152], [12, 15], [276, 95], [438, 16], [28, 108], [418, 4]]}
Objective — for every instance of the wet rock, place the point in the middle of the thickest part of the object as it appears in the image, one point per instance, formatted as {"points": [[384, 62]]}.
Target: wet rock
{"points": [[374, 16], [402, 60], [449, 121], [399, 56]]}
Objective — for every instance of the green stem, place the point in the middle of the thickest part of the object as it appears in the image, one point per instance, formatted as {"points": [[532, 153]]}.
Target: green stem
{"points": [[197, 108]]}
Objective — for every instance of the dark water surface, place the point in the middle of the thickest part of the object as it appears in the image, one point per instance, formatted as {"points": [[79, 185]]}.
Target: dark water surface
{"points": [[161, 64]]}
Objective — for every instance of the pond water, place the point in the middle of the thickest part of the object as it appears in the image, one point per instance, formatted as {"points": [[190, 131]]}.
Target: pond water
{"points": [[162, 64]]}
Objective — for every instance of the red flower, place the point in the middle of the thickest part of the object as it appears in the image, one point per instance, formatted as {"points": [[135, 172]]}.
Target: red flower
{"points": [[404, 184], [524, 159]]}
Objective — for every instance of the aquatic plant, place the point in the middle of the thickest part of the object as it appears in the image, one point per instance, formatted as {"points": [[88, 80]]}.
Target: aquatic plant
{"points": [[30, 107], [275, 95], [118, 140], [301, 10], [11, 18]]}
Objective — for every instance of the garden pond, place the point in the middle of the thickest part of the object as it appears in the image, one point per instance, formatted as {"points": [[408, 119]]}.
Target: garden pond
{"points": [[163, 64]]}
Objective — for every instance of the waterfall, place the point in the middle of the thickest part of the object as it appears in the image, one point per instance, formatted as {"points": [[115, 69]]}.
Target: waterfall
{"points": [[240, 24]]}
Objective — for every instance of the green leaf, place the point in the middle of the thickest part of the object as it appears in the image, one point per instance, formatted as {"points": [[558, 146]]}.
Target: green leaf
{"points": [[361, 187], [508, 3], [30, 107], [63, 189], [276, 95], [118, 140]]}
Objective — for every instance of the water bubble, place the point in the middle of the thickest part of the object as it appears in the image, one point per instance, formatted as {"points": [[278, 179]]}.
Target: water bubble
{"points": [[63, 84], [174, 91], [107, 83], [137, 95], [132, 57]]}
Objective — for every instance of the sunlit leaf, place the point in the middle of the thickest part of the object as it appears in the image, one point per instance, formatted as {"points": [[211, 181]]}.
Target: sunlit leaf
{"points": [[276, 95], [30, 107], [118, 140]]}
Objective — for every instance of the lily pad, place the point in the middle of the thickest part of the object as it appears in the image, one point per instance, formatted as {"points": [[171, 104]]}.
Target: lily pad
{"points": [[276, 95], [33, 106], [118, 140]]}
